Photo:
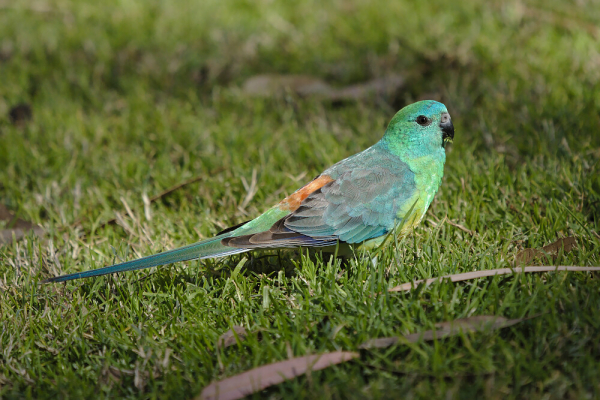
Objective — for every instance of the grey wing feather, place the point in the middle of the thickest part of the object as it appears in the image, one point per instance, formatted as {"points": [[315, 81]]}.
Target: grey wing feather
{"points": [[360, 204]]}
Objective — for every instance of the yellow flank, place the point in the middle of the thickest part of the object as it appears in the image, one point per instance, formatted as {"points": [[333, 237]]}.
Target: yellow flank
{"points": [[403, 229]]}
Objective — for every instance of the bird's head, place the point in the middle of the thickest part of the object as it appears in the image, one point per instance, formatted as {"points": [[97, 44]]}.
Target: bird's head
{"points": [[420, 128]]}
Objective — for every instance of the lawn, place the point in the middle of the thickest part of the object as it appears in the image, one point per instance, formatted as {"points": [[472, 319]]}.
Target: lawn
{"points": [[130, 98]]}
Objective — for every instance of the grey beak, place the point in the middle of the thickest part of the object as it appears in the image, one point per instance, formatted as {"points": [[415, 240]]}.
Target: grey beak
{"points": [[447, 128]]}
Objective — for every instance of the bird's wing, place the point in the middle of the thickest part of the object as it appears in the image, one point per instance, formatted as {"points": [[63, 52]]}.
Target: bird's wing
{"points": [[360, 204]]}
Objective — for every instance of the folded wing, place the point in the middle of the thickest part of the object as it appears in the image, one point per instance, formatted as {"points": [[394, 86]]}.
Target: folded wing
{"points": [[361, 203]]}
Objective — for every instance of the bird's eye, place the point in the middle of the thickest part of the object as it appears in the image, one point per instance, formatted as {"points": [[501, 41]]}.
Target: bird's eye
{"points": [[423, 120]]}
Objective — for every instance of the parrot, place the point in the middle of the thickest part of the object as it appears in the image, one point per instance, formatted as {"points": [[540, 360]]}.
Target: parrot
{"points": [[354, 204]]}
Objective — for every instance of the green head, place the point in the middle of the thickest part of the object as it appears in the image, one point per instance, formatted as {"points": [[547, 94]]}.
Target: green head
{"points": [[419, 129]]}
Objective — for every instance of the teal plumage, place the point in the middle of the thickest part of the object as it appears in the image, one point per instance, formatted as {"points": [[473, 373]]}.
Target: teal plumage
{"points": [[355, 202]]}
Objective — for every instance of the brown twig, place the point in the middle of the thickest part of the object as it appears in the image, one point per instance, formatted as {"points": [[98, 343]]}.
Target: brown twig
{"points": [[462, 228], [182, 184], [165, 193]]}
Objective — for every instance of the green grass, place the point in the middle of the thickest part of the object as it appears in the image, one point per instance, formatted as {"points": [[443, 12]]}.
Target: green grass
{"points": [[132, 97]]}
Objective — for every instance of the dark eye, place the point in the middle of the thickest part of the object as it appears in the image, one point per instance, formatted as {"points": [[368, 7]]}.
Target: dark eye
{"points": [[423, 120]]}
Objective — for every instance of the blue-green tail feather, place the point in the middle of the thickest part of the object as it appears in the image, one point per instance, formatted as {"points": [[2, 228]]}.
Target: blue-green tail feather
{"points": [[208, 248]]}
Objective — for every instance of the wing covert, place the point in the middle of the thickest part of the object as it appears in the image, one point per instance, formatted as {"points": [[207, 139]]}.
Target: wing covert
{"points": [[358, 205]]}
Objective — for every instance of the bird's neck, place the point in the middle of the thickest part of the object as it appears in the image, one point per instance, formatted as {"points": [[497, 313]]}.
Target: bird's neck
{"points": [[426, 163], [420, 159]]}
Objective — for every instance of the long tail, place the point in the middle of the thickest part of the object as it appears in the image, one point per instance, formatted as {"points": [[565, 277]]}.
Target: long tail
{"points": [[209, 248]]}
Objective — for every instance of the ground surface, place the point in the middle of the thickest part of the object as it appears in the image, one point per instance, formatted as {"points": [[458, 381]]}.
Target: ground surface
{"points": [[129, 98]]}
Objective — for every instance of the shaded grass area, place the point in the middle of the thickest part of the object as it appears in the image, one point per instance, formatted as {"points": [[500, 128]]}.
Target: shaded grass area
{"points": [[130, 98]]}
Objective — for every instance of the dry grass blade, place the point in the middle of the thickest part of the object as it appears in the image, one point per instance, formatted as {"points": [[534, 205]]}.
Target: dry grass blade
{"points": [[446, 329], [15, 226], [380, 343], [386, 86], [49, 349], [182, 184], [462, 228], [260, 378], [229, 338], [273, 85], [492, 272], [528, 255]]}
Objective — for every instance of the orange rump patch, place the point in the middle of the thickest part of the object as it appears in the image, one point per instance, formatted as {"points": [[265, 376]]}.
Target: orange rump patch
{"points": [[292, 202]]}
